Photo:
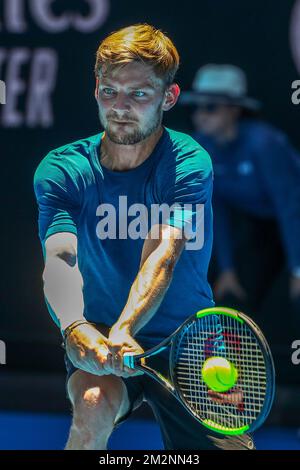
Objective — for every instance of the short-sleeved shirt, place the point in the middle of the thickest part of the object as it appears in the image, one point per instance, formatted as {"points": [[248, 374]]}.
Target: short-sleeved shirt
{"points": [[104, 208]]}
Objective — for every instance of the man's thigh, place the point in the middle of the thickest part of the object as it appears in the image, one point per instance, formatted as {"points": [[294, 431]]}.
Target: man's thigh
{"points": [[127, 394]]}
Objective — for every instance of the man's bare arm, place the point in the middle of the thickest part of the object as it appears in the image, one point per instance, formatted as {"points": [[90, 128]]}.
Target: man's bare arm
{"points": [[158, 261], [86, 347], [62, 279]]}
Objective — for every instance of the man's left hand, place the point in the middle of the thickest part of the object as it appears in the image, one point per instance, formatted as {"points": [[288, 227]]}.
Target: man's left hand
{"points": [[119, 342]]}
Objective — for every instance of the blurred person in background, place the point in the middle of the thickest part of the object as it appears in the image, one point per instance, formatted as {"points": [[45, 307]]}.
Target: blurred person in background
{"points": [[256, 190]]}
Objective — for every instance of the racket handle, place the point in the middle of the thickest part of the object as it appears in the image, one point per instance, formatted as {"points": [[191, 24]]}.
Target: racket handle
{"points": [[128, 360]]}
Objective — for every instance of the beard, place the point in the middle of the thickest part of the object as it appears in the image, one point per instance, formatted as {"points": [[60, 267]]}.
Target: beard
{"points": [[135, 134]]}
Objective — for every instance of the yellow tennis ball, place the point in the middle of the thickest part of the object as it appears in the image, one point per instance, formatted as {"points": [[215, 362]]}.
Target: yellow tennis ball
{"points": [[219, 374]]}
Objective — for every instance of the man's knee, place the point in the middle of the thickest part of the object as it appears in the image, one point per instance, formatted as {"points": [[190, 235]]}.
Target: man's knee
{"points": [[96, 400]]}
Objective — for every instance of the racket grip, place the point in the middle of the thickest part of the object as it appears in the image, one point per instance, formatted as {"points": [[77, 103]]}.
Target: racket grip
{"points": [[128, 360]]}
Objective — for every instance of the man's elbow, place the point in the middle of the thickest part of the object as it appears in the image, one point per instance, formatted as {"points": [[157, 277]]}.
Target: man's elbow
{"points": [[53, 264], [168, 263], [172, 254], [62, 246]]}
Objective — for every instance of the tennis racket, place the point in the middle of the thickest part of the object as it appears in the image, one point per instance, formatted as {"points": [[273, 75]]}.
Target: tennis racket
{"points": [[217, 334]]}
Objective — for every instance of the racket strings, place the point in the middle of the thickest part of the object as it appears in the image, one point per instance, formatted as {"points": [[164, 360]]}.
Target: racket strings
{"points": [[222, 336]]}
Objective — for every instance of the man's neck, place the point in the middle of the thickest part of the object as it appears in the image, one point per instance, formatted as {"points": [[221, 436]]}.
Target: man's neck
{"points": [[119, 157]]}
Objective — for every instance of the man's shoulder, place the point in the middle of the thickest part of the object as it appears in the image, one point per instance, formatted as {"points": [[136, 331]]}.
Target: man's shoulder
{"points": [[80, 147], [71, 157], [183, 141], [186, 149]]}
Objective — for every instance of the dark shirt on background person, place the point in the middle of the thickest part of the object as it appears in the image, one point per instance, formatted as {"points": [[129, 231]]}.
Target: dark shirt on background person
{"points": [[258, 173], [256, 197]]}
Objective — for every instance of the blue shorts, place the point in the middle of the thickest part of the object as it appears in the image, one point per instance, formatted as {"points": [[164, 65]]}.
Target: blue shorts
{"points": [[179, 430]]}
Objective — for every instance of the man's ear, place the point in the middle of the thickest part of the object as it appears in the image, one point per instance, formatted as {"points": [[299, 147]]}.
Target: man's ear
{"points": [[171, 96], [97, 88]]}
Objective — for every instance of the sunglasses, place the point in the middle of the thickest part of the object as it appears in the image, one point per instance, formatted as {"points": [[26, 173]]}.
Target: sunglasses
{"points": [[208, 108]]}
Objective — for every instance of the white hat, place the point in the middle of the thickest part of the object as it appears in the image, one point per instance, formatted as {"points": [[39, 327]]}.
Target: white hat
{"points": [[224, 84]]}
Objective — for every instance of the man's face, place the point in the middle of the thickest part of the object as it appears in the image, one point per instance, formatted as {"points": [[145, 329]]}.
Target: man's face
{"points": [[214, 119], [134, 96]]}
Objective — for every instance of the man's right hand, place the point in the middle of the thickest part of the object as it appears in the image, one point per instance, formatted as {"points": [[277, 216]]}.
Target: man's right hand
{"points": [[87, 349]]}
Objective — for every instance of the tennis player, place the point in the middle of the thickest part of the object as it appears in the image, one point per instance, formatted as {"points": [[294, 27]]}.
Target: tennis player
{"points": [[109, 290]]}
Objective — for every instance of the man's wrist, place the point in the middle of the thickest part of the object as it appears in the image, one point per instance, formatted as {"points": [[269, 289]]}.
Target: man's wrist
{"points": [[68, 330], [124, 327]]}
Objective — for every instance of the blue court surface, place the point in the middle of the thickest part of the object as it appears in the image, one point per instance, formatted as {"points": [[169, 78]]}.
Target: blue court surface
{"points": [[22, 431]]}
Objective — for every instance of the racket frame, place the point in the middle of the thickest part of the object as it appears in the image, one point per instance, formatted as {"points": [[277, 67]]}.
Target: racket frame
{"points": [[133, 361], [270, 372]]}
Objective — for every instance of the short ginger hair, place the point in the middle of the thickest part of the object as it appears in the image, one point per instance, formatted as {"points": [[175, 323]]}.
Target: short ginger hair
{"points": [[140, 42]]}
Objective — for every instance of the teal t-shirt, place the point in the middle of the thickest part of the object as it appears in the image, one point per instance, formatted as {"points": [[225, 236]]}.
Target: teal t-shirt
{"points": [[76, 194]]}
